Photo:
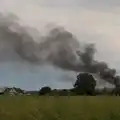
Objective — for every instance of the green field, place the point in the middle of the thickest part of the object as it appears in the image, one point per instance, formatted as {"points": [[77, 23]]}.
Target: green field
{"points": [[59, 108]]}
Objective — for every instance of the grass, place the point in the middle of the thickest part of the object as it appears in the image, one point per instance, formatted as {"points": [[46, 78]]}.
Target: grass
{"points": [[59, 108]]}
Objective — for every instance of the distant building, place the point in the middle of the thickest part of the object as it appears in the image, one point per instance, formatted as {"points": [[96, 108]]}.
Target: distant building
{"points": [[11, 91]]}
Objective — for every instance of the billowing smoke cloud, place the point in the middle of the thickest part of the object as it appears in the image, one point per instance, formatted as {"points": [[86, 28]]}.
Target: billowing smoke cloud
{"points": [[93, 66], [59, 47]]}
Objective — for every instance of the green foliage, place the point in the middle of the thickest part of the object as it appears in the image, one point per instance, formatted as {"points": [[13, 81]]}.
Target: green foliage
{"points": [[45, 90], [85, 84]]}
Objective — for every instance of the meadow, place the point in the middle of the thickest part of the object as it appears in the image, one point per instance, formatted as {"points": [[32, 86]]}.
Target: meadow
{"points": [[59, 108]]}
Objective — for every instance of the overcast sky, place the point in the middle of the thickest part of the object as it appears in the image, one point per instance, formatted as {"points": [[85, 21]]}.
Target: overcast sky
{"points": [[94, 21]]}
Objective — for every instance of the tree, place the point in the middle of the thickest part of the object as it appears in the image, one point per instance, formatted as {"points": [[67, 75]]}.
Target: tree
{"points": [[116, 91], [85, 84], [44, 90]]}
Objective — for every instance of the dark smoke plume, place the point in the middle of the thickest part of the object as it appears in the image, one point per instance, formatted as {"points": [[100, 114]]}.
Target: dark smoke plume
{"points": [[57, 48], [60, 48], [93, 66]]}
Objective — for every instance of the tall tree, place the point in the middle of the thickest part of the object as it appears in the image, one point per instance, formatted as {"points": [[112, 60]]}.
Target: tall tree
{"points": [[85, 84], [44, 90]]}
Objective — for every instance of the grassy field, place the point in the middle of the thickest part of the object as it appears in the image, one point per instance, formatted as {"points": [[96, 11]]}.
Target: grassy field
{"points": [[59, 108]]}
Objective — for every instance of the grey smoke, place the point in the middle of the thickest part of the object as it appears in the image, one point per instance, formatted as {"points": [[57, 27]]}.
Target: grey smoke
{"points": [[93, 66], [16, 43], [59, 47]]}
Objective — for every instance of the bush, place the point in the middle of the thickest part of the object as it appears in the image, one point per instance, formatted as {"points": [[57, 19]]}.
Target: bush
{"points": [[44, 90]]}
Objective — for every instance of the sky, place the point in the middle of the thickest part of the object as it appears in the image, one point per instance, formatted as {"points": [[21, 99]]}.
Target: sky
{"points": [[93, 21]]}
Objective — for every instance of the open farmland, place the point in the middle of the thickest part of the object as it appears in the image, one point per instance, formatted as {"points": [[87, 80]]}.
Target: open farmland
{"points": [[59, 108]]}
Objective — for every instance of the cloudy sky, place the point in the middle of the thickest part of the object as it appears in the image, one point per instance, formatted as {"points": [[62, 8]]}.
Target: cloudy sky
{"points": [[93, 21]]}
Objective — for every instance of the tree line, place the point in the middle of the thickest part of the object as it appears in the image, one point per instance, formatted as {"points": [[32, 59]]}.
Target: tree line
{"points": [[84, 85]]}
